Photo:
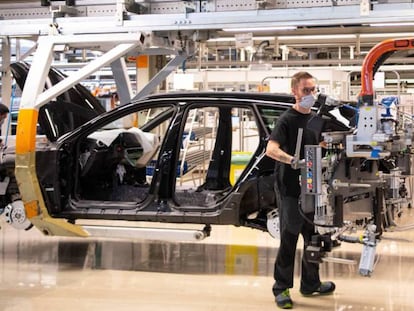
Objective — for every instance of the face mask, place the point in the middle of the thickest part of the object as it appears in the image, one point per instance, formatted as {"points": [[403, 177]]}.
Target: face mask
{"points": [[307, 101]]}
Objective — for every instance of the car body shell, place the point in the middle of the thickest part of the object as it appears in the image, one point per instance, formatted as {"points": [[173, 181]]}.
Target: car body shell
{"points": [[74, 188], [232, 204]]}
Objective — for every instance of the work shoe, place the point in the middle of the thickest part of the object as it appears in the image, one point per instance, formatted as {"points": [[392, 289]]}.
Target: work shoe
{"points": [[283, 300], [325, 288]]}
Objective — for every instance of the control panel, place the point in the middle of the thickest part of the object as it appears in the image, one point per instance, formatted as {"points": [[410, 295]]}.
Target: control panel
{"points": [[313, 159]]}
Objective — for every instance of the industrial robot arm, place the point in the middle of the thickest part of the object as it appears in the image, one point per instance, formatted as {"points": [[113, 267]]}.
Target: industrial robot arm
{"points": [[359, 181]]}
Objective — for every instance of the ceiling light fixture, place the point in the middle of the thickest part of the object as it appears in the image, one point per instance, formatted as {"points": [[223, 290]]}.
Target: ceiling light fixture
{"points": [[345, 36], [391, 24], [391, 35], [318, 37], [267, 28], [232, 39]]}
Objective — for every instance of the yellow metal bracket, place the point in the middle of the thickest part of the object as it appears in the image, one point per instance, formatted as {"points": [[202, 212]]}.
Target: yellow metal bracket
{"points": [[28, 184]]}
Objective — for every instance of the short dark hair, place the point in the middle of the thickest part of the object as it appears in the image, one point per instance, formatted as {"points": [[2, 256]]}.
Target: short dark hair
{"points": [[3, 109], [301, 75]]}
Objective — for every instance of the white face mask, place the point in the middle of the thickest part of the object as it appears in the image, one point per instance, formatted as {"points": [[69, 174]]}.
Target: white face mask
{"points": [[307, 101]]}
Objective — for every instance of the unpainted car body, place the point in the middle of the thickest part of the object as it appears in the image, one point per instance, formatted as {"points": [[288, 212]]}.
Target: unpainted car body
{"points": [[83, 183], [138, 162]]}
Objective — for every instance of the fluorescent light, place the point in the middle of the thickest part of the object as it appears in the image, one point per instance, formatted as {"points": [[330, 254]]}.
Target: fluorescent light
{"points": [[396, 81], [317, 37], [268, 28], [345, 36], [232, 39], [392, 35], [263, 38], [222, 39], [320, 37], [391, 24]]}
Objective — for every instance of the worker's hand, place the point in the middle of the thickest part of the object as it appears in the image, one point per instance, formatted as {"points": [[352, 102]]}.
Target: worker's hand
{"points": [[323, 144], [295, 163]]}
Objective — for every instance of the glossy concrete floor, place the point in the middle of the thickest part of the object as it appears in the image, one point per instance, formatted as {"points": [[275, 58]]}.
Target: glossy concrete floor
{"points": [[231, 270]]}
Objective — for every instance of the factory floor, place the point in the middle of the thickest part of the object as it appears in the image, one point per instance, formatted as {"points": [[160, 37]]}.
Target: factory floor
{"points": [[228, 271]]}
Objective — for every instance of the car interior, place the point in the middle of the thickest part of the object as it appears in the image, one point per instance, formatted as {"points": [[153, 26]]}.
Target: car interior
{"points": [[217, 143]]}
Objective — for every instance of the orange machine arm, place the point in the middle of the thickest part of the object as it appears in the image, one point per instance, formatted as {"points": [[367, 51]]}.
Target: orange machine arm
{"points": [[384, 50]]}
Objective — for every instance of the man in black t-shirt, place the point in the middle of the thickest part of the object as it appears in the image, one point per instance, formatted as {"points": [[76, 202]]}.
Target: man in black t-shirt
{"points": [[281, 147]]}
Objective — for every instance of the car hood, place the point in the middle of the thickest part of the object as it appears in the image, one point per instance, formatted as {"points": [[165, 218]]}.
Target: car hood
{"points": [[68, 111]]}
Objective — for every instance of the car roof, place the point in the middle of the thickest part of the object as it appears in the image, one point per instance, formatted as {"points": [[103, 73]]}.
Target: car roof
{"points": [[272, 97]]}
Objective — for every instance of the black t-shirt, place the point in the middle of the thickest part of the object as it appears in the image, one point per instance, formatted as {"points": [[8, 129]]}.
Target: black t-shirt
{"points": [[286, 133]]}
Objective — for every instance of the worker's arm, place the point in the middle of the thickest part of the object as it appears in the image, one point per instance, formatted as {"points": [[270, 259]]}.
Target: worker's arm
{"points": [[273, 151]]}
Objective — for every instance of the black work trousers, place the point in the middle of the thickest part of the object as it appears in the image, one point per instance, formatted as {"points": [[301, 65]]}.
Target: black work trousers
{"points": [[291, 225]]}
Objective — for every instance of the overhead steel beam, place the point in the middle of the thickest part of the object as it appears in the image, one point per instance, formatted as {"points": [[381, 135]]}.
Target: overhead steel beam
{"points": [[295, 62], [306, 17], [161, 75], [32, 96], [84, 72], [122, 81], [29, 52], [37, 74]]}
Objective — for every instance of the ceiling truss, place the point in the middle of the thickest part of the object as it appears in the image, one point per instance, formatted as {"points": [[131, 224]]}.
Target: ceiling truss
{"points": [[321, 33]]}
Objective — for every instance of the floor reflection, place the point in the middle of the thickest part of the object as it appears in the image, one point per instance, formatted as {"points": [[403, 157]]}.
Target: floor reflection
{"points": [[39, 273], [148, 256], [154, 256]]}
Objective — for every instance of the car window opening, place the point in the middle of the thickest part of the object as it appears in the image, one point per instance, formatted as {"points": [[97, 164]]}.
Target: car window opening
{"points": [[115, 160], [218, 142]]}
